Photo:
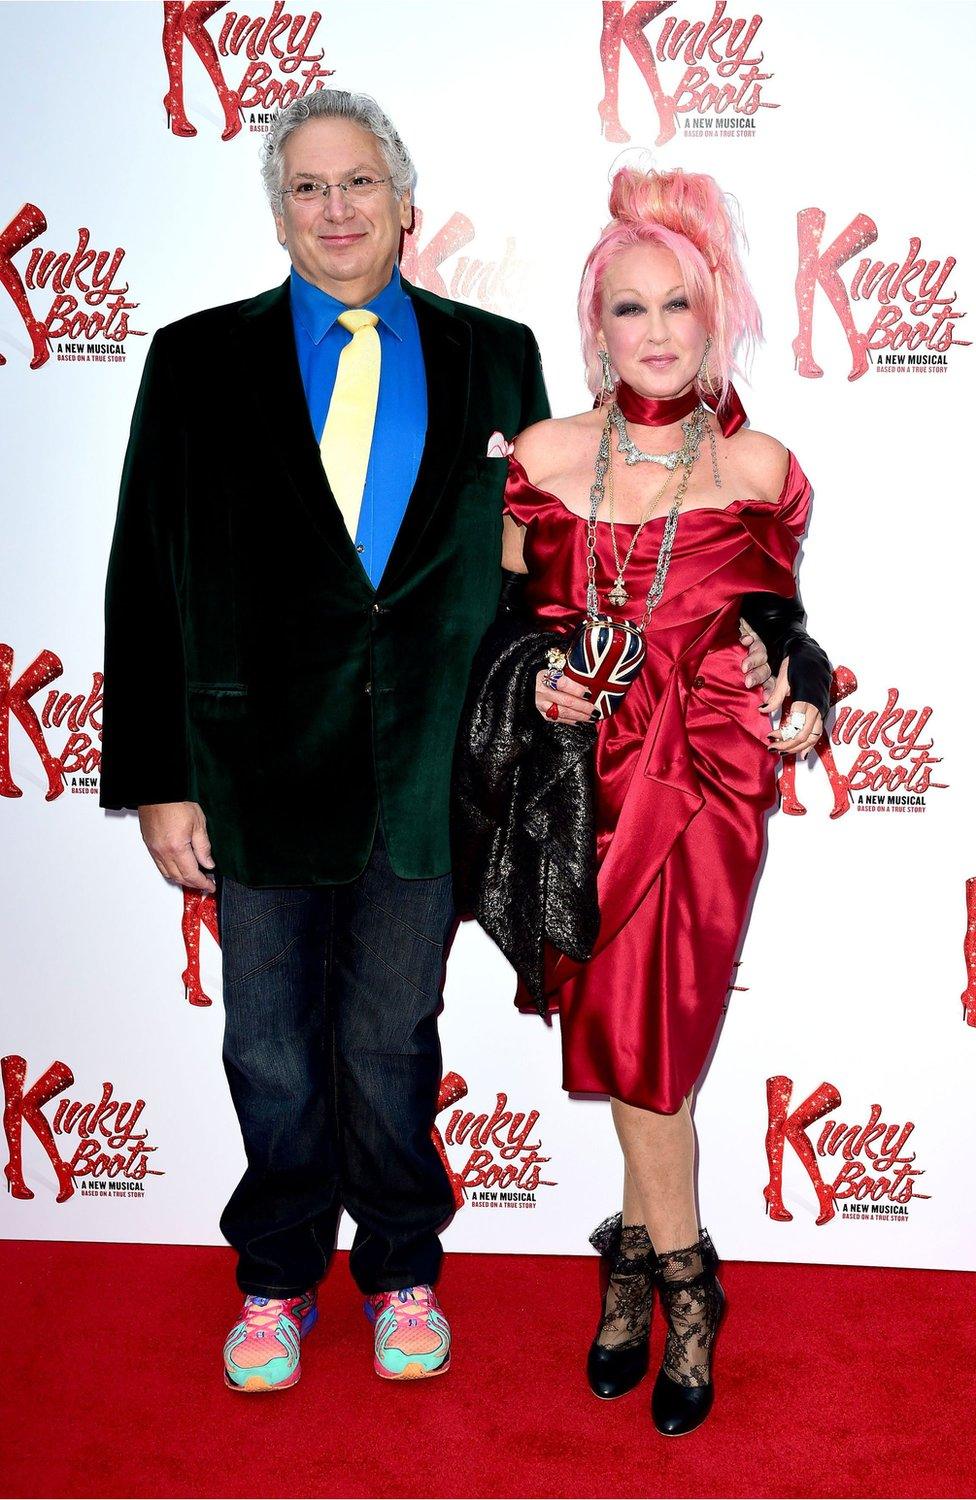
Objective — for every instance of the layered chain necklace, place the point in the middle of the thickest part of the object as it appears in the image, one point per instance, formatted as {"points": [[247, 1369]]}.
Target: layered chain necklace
{"points": [[692, 433], [694, 430]]}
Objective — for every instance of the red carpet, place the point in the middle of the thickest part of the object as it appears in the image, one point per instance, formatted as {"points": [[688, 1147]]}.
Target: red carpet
{"points": [[831, 1382]]}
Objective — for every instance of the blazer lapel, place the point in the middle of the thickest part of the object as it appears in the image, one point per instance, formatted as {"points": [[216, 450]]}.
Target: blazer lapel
{"points": [[266, 334], [446, 344]]}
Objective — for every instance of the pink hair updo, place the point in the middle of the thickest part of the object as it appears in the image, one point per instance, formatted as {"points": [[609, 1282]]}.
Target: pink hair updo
{"points": [[686, 213]]}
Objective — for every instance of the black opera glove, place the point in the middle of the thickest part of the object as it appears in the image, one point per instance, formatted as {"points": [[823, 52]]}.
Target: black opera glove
{"points": [[511, 600], [772, 618], [778, 622]]}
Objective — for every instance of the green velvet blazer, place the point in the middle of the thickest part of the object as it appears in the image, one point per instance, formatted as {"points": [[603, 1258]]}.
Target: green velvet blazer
{"points": [[250, 665]]}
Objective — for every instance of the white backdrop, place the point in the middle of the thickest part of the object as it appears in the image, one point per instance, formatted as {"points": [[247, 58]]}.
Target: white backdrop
{"points": [[861, 917]]}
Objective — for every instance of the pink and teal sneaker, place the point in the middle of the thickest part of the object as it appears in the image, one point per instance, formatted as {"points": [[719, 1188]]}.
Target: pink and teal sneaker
{"points": [[411, 1336], [263, 1350]]}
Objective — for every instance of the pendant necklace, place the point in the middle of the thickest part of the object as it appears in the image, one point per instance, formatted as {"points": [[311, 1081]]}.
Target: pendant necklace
{"points": [[618, 594]]}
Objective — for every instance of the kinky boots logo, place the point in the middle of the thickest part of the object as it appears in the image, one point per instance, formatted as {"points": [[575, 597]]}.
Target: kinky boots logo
{"points": [[493, 1158], [709, 63], [81, 300], [94, 1146], [868, 1170], [497, 285], [888, 751], [899, 313], [893, 769], [63, 729], [255, 64]]}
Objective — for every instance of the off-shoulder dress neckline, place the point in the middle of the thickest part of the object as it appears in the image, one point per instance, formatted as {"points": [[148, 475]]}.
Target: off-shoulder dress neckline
{"points": [[715, 510]]}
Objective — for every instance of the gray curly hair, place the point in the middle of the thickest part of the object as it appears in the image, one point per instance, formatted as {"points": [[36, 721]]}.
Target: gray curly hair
{"points": [[336, 104]]}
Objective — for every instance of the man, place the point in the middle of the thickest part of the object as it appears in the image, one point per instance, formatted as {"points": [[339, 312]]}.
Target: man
{"points": [[306, 555]]}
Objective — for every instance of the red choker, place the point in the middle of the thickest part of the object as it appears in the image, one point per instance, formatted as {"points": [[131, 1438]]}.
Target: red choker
{"points": [[647, 412]]}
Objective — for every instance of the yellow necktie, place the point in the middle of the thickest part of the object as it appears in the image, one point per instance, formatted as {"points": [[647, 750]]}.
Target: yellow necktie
{"points": [[348, 432]]}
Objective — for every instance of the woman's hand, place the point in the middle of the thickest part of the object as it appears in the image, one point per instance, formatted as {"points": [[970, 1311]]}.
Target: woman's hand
{"points": [[804, 739], [571, 699]]}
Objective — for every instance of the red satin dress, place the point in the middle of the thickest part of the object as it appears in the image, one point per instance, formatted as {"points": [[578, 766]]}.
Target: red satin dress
{"points": [[684, 780]]}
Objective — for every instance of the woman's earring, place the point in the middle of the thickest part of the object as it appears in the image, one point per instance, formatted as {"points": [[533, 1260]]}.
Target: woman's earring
{"points": [[705, 379], [704, 373], [606, 389]]}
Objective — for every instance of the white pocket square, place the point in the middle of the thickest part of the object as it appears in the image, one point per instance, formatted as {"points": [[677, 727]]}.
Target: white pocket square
{"points": [[499, 446]]}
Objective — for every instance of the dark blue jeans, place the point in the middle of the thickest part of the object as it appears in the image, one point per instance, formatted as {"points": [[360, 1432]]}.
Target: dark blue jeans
{"points": [[331, 1051]]}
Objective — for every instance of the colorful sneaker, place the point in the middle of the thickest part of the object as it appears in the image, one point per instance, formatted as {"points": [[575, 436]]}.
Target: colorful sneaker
{"points": [[412, 1337], [263, 1350]]}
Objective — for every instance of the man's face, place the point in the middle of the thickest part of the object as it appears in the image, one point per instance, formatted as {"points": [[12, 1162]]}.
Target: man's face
{"points": [[346, 248]]}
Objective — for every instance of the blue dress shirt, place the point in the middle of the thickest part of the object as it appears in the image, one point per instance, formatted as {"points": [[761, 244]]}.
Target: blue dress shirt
{"points": [[401, 409]]}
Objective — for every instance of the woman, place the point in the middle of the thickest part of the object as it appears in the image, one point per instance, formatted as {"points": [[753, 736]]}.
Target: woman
{"points": [[650, 508]]}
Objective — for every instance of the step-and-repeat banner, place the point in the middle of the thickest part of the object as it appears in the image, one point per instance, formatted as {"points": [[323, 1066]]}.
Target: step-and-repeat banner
{"points": [[835, 1120]]}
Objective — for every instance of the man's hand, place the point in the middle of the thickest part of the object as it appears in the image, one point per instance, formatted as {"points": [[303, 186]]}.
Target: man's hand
{"points": [[175, 833], [756, 663]]}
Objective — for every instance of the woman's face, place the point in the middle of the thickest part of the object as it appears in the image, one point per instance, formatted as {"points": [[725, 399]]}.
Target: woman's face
{"points": [[654, 340]]}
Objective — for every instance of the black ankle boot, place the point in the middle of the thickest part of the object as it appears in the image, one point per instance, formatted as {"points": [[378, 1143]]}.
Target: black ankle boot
{"points": [[693, 1300], [627, 1273]]}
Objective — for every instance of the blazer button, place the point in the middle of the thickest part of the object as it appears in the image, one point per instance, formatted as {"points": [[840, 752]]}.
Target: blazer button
{"points": [[380, 609], [360, 547], [368, 689], [699, 682]]}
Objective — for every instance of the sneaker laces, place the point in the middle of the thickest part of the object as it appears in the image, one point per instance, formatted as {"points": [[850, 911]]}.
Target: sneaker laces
{"points": [[263, 1312], [409, 1303], [413, 1294]]}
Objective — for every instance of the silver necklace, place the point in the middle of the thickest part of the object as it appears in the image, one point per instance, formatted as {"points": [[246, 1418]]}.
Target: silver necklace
{"points": [[694, 430], [667, 541]]}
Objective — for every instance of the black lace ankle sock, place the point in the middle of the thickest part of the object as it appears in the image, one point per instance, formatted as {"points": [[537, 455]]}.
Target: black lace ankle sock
{"points": [[692, 1300], [629, 1295]]}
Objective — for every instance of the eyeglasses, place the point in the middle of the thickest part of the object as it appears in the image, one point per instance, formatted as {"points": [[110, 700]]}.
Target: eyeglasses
{"points": [[357, 188]]}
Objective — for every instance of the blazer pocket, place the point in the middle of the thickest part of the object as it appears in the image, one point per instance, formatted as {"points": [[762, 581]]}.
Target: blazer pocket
{"points": [[217, 700]]}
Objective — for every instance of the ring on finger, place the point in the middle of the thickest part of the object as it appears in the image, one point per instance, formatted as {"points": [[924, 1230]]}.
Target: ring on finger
{"points": [[552, 712]]}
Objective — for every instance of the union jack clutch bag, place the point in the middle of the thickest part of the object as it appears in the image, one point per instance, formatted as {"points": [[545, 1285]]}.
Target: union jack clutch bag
{"points": [[605, 656]]}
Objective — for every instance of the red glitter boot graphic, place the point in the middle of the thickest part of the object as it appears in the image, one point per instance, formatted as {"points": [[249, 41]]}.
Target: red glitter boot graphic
{"points": [[18, 1107], [15, 699], [199, 910], [186, 20], [785, 1127], [620, 30], [814, 267], [969, 952], [453, 1088], [843, 683], [25, 226]]}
